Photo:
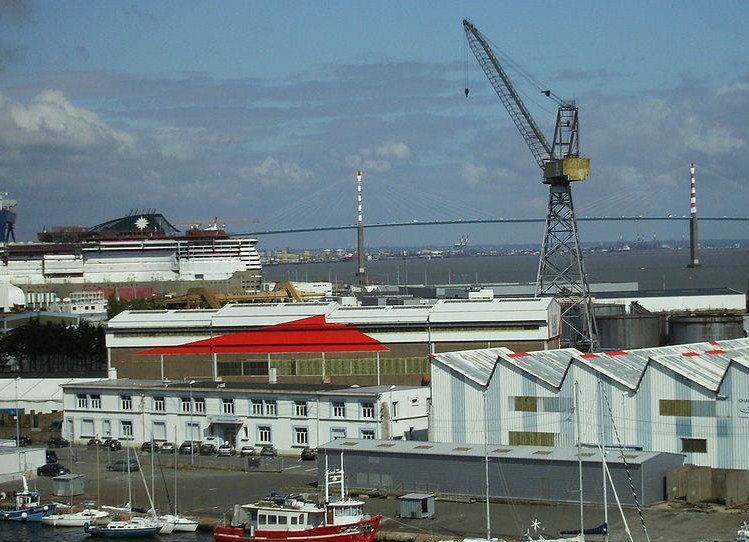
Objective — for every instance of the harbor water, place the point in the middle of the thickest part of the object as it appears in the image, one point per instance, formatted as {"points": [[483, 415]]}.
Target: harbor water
{"points": [[36, 532], [654, 270]]}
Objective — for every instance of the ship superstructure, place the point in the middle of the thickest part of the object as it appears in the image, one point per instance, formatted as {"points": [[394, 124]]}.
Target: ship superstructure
{"points": [[140, 248]]}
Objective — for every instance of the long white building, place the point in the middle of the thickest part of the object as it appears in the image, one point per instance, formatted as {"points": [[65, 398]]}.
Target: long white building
{"points": [[289, 417], [689, 399]]}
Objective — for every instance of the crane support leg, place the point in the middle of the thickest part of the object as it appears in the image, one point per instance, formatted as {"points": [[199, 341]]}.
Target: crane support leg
{"points": [[561, 272]]}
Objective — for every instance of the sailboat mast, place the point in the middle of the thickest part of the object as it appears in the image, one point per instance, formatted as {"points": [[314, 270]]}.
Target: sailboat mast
{"points": [[579, 453], [486, 468], [602, 448]]}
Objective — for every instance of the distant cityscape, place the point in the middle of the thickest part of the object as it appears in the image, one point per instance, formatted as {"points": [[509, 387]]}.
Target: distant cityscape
{"points": [[463, 249]]}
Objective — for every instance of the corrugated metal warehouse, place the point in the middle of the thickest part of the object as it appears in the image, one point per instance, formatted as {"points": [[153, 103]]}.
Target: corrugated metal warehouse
{"points": [[689, 399], [527, 473]]}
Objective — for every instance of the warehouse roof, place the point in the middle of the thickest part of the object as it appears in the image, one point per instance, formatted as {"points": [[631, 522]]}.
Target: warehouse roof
{"points": [[703, 363], [541, 453]]}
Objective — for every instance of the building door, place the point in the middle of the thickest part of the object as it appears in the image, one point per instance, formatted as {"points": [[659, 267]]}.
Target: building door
{"points": [[70, 434], [159, 431], [106, 429]]}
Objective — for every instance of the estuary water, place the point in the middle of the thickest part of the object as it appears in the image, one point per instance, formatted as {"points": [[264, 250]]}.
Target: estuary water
{"points": [[656, 270], [31, 532]]}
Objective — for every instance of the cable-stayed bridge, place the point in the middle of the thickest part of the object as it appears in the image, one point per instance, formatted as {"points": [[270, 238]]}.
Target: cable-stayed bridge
{"points": [[419, 223]]}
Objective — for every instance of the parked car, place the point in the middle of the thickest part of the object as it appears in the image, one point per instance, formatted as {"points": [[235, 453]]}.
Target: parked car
{"points": [[226, 449], [52, 469], [149, 446], [112, 444], [207, 449], [93, 442], [269, 450], [51, 456], [122, 465], [188, 447], [57, 442], [167, 448], [308, 454], [23, 440], [247, 451]]}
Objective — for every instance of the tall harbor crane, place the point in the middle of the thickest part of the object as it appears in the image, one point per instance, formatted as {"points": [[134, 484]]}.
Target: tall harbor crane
{"points": [[560, 270]]}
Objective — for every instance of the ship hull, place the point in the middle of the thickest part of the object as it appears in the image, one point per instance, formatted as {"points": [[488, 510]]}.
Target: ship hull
{"points": [[362, 531]]}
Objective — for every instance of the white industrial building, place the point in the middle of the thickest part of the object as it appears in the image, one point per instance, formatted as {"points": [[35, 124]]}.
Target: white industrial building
{"points": [[409, 333], [690, 399], [289, 417]]}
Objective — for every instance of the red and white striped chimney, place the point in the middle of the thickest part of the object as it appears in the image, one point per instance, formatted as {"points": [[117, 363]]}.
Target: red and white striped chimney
{"points": [[693, 239]]}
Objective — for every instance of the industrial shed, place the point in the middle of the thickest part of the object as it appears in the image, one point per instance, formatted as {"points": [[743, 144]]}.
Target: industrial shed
{"points": [[526, 473], [687, 399]]}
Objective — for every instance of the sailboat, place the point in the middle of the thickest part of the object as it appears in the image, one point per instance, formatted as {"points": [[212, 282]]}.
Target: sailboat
{"points": [[132, 526], [174, 521], [89, 514]]}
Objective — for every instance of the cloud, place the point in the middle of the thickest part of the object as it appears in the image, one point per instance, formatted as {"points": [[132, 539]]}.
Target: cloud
{"points": [[274, 172], [51, 121]]}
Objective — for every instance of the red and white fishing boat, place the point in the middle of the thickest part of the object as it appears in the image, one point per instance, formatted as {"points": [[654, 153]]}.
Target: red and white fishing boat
{"points": [[291, 519]]}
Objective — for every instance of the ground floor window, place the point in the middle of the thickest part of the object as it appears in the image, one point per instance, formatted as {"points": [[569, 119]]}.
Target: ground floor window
{"points": [[126, 430], [531, 438], [301, 436], [694, 445], [337, 432], [263, 434], [367, 434]]}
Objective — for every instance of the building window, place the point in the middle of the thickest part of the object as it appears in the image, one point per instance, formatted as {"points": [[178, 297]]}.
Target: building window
{"points": [[301, 436], [263, 434], [337, 432], [228, 406], [300, 409], [525, 404], [395, 410], [200, 405], [186, 404], [126, 402], [367, 434], [126, 430], [159, 404], [82, 400], [270, 407], [694, 445], [531, 438], [368, 410], [257, 407], [96, 402], [683, 407], [339, 409]]}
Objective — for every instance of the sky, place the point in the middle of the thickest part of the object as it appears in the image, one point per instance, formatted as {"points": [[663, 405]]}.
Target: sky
{"points": [[248, 110]]}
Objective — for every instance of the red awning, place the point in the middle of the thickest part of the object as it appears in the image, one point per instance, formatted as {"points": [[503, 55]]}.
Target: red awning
{"points": [[311, 334]]}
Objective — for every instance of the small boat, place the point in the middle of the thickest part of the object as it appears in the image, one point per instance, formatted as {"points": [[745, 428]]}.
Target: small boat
{"points": [[180, 524], [288, 518], [28, 506], [124, 529], [742, 535], [92, 516]]}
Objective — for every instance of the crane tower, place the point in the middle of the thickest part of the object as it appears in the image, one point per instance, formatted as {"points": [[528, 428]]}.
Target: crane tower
{"points": [[560, 270]]}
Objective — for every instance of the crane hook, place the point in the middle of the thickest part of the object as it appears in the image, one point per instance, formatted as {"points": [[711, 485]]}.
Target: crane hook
{"points": [[467, 90]]}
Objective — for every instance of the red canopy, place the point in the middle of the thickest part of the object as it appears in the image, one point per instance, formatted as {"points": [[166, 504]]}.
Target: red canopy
{"points": [[311, 334]]}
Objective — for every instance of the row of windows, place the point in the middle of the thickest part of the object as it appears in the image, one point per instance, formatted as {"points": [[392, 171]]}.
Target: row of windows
{"points": [[264, 432], [537, 438], [667, 407], [258, 407]]}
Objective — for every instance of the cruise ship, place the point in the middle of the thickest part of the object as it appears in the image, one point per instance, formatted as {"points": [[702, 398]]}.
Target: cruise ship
{"points": [[141, 249]]}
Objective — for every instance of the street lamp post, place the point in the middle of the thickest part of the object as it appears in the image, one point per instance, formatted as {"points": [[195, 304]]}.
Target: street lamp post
{"points": [[192, 442]]}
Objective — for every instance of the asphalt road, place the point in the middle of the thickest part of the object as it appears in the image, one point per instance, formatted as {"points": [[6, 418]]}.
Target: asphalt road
{"points": [[209, 487]]}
